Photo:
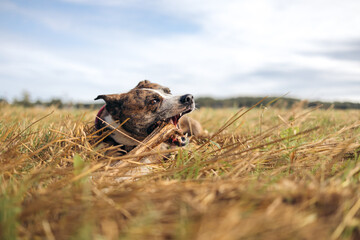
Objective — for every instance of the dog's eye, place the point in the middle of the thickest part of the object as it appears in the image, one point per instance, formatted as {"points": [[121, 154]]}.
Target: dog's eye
{"points": [[154, 101]]}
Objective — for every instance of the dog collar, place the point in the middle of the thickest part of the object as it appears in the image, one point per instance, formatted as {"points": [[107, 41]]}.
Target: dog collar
{"points": [[97, 122]]}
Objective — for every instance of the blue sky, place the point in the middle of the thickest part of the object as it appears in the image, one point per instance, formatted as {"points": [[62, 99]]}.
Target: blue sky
{"points": [[78, 49]]}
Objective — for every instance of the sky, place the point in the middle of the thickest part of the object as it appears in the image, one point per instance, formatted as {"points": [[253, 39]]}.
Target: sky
{"points": [[78, 49]]}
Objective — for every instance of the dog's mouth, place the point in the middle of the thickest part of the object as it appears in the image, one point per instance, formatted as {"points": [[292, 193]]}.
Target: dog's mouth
{"points": [[175, 119]]}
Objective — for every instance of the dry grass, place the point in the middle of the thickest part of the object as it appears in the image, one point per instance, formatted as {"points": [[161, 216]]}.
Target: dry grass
{"points": [[269, 174]]}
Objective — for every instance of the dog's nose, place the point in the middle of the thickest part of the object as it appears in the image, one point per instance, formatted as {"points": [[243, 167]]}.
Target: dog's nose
{"points": [[187, 99]]}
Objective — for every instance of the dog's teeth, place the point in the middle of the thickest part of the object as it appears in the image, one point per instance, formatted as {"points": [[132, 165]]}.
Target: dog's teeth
{"points": [[181, 114]]}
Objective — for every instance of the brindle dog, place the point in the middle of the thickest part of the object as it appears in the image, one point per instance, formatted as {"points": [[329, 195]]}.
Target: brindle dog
{"points": [[137, 113]]}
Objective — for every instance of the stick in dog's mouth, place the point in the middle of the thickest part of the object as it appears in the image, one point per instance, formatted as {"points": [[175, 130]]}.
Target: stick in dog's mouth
{"points": [[177, 140]]}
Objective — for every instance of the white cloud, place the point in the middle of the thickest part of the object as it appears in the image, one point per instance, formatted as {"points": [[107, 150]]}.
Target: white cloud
{"points": [[28, 62], [233, 40]]}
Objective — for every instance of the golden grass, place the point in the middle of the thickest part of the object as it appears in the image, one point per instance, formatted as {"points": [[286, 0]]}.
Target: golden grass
{"points": [[270, 174]]}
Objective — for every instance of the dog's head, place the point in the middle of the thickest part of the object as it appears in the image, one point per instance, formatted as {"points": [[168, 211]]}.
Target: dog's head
{"points": [[144, 107]]}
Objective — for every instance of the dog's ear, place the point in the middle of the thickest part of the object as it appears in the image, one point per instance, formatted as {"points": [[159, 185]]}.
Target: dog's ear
{"points": [[111, 99], [143, 84], [148, 84], [114, 102], [100, 97]]}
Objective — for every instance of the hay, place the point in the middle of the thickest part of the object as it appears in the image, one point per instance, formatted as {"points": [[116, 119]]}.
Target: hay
{"points": [[268, 174]]}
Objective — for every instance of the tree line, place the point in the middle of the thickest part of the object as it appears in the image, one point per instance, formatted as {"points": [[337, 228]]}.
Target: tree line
{"points": [[237, 102], [273, 101], [25, 101]]}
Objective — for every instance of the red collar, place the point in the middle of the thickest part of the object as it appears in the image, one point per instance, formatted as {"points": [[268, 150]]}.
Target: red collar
{"points": [[97, 119]]}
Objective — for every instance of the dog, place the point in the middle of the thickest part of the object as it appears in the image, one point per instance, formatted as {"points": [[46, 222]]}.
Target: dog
{"points": [[137, 113]]}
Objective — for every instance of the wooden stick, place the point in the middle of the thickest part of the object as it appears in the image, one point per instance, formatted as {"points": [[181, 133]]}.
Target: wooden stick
{"points": [[160, 135]]}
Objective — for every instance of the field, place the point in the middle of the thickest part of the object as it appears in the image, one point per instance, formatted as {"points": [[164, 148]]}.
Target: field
{"points": [[262, 173]]}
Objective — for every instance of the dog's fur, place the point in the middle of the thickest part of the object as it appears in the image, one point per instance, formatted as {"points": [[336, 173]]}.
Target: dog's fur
{"points": [[137, 113]]}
